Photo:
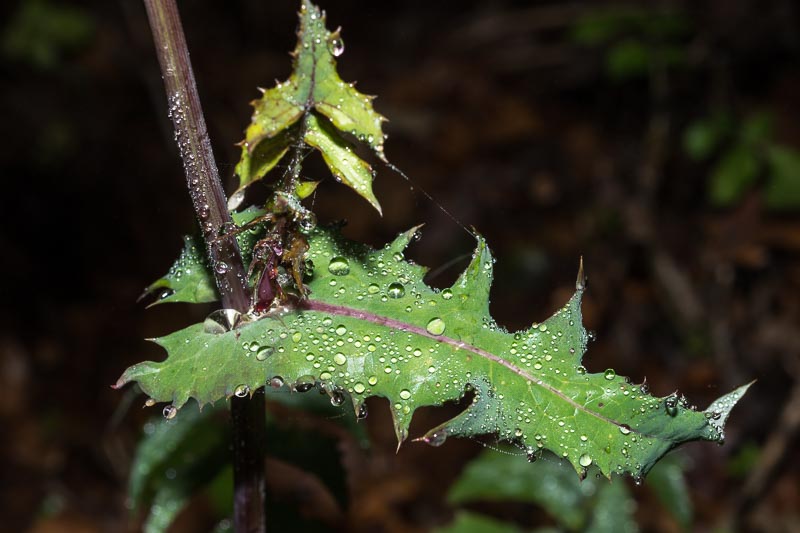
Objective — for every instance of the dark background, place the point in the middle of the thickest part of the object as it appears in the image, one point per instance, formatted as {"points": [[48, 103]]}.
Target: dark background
{"points": [[551, 143]]}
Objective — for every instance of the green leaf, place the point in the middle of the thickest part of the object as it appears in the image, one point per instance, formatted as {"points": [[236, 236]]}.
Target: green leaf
{"points": [[733, 174], [371, 327], [313, 85], [548, 483], [628, 59], [469, 522], [338, 154], [669, 484], [782, 191], [703, 136], [173, 461], [189, 279]]}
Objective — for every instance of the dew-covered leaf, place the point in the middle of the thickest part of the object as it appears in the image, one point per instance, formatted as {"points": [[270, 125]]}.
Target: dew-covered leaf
{"points": [[371, 327], [189, 279], [344, 164], [313, 87]]}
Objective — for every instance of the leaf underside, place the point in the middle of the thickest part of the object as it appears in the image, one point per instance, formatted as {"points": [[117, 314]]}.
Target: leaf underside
{"points": [[313, 106], [371, 327]]}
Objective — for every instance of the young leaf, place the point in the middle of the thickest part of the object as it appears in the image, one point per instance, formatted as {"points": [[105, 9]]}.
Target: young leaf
{"points": [[371, 327], [314, 91], [189, 279]]}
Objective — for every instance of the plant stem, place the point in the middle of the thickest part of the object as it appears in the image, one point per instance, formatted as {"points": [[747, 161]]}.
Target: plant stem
{"points": [[208, 199]]}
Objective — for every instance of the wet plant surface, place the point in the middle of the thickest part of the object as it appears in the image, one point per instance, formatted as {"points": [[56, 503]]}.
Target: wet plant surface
{"points": [[550, 143]]}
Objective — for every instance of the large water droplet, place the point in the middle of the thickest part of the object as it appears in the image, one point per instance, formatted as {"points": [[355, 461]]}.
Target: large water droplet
{"points": [[222, 321], [304, 383], [241, 391], [276, 382], [336, 46], [396, 290], [264, 352], [340, 358], [339, 266], [436, 326], [585, 460], [373, 380], [373, 288], [169, 412], [359, 388], [361, 412], [671, 405], [307, 222], [447, 294], [405, 394], [625, 429], [337, 398], [609, 374], [222, 267]]}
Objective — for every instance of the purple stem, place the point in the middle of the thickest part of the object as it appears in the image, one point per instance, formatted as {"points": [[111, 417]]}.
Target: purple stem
{"points": [[208, 199]]}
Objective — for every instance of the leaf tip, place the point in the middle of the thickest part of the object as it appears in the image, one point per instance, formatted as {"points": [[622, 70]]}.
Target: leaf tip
{"points": [[580, 281]]}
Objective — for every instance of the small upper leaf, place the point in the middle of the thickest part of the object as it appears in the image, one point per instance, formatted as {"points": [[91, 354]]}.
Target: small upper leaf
{"points": [[314, 87]]}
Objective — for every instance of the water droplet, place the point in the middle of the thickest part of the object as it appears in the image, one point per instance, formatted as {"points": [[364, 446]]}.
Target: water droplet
{"points": [[336, 46], [169, 412], [373, 288], [581, 370], [339, 266], [307, 223], [149, 402], [397, 256], [276, 382], [609, 374], [405, 394], [396, 290], [625, 429], [447, 294], [437, 438], [241, 391], [388, 370], [361, 412], [341, 329], [518, 432], [264, 352], [304, 383], [585, 460], [671, 405], [359, 388], [222, 267], [337, 398], [436, 326], [340, 358], [222, 321], [373, 380]]}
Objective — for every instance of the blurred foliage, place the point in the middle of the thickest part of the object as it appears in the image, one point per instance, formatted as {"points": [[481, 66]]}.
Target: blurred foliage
{"points": [[741, 154], [43, 34], [634, 39], [593, 504]]}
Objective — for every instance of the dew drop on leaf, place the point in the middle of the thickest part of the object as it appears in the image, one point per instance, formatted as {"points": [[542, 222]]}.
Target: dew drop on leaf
{"points": [[341, 329], [169, 412], [264, 352], [359, 388], [336, 46], [241, 391], [304, 383], [222, 321], [373, 288], [339, 266], [276, 382], [609, 374], [671, 405], [396, 290], [337, 398], [405, 394], [437, 438], [585, 460], [447, 294], [340, 358], [436, 326], [373, 380], [361, 412], [625, 429]]}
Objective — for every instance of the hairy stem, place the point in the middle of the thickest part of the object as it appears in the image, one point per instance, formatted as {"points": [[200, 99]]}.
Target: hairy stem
{"points": [[208, 199]]}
